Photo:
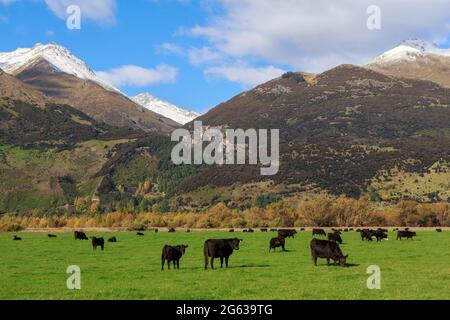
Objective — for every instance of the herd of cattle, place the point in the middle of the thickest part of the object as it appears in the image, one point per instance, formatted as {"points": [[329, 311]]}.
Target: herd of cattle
{"points": [[223, 248]]}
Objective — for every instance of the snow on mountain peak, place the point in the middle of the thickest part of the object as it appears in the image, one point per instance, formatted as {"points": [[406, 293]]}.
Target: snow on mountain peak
{"points": [[410, 50], [59, 57], [165, 108]]}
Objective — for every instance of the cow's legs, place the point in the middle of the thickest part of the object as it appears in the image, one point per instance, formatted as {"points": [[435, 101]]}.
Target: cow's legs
{"points": [[178, 264], [212, 263], [226, 261], [221, 262], [168, 264], [328, 261], [162, 264], [206, 262], [283, 247]]}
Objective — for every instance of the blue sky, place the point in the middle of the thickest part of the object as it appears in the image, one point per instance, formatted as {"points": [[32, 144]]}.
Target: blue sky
{"points": [[214, 49]]}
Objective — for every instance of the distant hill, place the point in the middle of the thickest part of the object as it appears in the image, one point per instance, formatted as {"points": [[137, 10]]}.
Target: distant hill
{"points": [[341, 130]]}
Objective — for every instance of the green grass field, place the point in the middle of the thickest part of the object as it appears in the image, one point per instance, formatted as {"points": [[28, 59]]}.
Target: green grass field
{"points": [[35, 268]]}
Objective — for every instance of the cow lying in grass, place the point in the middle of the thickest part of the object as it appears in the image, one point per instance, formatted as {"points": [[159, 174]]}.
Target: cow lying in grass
{"points": [[172, 255], [80, 235]]}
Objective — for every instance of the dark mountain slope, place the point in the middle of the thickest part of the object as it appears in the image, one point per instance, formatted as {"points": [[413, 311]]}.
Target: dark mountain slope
{"points": [[339, 129]]}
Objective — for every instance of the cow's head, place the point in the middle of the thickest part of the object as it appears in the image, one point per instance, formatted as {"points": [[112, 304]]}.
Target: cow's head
{"points": [[235, 243], [343, 261], [183, 248]]}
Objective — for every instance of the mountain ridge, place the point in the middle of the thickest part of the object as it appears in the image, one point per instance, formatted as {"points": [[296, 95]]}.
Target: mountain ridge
{"points": [[167, 109]]}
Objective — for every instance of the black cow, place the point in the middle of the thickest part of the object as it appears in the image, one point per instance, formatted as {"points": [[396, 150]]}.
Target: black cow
{"points": [[98, 242], [222, 249], [172, 230], [383, 230], [16, 238], [338, 231], [231, 230], [273, 230], [51, 236], [156, 230], [438, 230], [277, 243], [140, 234], [79, 235], [406, 234], [112, 240], [319, 232], [287, 233], [188, 230], [380, 234], [263, 230], [336, 237], [173, 255], [329, 250]]}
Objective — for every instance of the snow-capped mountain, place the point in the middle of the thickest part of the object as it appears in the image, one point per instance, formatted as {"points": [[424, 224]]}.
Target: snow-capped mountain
{"points": [[59, 57], [415, 59], [410, 50], [165, 108]]}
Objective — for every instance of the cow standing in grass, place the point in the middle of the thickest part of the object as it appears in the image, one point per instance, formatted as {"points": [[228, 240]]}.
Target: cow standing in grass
{"points": [[336, 237], [98, 242], [222, 249], [406, 234], [278, 242], [173, 255], [319, 232], [287, 233], [329, 250]]}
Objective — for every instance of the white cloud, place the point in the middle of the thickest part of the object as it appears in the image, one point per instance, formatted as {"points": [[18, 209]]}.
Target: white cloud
{"points": [[101, 11], [204, 55], [313, 35], [170, 48], [245, 75], [131, 75]]}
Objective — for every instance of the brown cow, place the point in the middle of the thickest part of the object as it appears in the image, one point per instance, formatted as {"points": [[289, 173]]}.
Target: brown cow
{"points": [[173, 255]]}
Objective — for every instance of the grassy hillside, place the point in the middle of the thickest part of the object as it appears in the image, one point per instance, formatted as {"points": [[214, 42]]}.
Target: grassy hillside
{"points": [[131, 269]]}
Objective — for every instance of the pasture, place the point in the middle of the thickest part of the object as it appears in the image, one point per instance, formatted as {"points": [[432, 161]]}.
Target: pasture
{"points": [[35, 268]]}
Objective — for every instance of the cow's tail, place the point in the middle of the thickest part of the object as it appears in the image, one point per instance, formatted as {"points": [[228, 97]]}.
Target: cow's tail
{"points": [[206, 253]]}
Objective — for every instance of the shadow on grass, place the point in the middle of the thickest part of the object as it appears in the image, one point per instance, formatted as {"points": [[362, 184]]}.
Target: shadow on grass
{"points": [[348, 265], [281, 251]]}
